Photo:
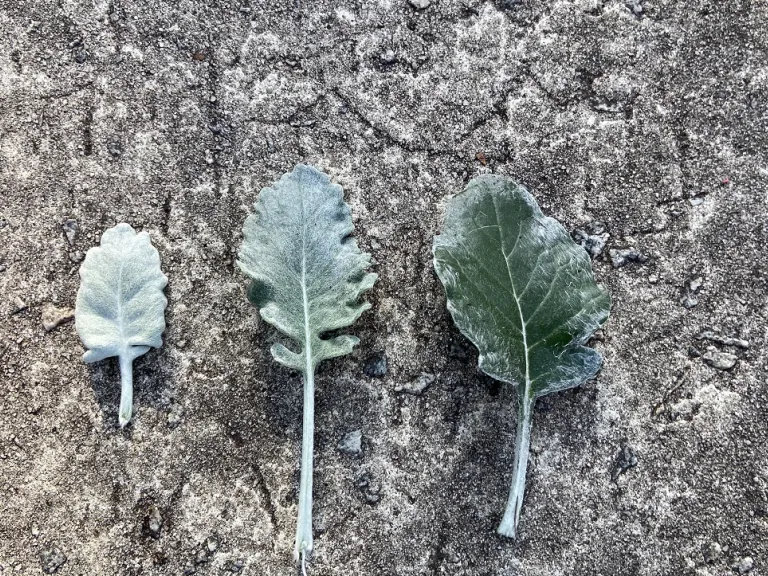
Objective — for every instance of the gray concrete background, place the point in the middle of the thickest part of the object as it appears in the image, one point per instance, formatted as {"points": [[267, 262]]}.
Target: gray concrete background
{"points": [[649, 117]]}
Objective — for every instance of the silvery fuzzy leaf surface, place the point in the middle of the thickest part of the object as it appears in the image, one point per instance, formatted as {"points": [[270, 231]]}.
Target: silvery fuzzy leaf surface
{"points": [[523, 292], [120, 309], [307, 272], [307, 277]]}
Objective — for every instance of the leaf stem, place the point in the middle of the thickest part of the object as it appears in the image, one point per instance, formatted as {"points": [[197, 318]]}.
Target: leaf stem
{"points": [[303, 546], [126, 389], [509, 522]]}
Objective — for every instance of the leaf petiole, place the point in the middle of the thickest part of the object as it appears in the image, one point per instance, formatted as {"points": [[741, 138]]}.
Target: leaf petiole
{"points": [[126, 389], [303, 546], [511, 518]]}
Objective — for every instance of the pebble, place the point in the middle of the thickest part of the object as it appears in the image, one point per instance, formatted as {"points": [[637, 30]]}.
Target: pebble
{"points": [[201, 557], [689, 300], [18, 305], [713, 552], [623, 257], [53, 316], [371, 491], [80, 55], [724, 340], [212, 544], [696, 283], [52, 559], [352, 443], [76, 256], [114, 148], [376, 365], [389, 57], [234, 566], [153, 522], [175, 416], [745, 565], [719, 360], [593, 237], [625, 460], [420, 4], [71, 229], [417, 386]]}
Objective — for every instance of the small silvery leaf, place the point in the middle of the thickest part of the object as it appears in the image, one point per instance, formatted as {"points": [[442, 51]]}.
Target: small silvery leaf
{"points": [[523, 292], [307, 279], [120, 309]]}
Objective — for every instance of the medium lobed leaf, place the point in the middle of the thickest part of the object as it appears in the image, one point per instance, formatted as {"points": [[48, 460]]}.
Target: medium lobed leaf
{"points": [[307, 272]]}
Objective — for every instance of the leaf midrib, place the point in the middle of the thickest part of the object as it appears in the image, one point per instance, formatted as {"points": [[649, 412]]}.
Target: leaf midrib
{"points": [[305, 299], [517, 299]]}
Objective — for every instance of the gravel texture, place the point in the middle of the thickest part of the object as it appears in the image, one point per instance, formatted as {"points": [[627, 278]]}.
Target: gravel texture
{"points": [[649, 117]]}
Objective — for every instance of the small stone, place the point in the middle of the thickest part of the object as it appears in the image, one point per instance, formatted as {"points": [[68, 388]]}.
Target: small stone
{"points": [[696, 283], [621, 258], [234, 566], [201, 557], [212, 544], [352, 443], [689, 300], [115, 148], [389, 57], [713, 552], [593, 237], [724, 340], [376, 365], [18, 305], [696, 201], [175, 416], [153, 523], [418, 385], [53, 316], [420, 4], [719, 360], [372, 497], [625, 460], [52, 559], [371, 491], [80, 54], [745, 565], [71, 229], [76, 256]]}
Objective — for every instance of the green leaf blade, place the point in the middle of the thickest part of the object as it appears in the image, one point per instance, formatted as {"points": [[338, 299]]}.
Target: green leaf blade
{"points": [[523, 292], [518, 287]]}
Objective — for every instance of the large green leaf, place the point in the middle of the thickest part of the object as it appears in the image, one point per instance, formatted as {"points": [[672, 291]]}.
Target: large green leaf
{"points": [[120, 309], [523, 292], [307, 278]]}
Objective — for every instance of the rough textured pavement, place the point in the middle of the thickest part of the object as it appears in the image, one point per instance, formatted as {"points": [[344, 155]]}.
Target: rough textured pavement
{"points": [[649, 118]]}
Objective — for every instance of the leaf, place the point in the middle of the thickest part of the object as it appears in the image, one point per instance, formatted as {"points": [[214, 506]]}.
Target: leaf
{"points": [[523, 292], [120, 304], [307, 278]]}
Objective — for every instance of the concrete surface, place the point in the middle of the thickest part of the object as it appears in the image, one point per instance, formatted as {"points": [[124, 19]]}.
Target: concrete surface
{"points": [[650, 117]]}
